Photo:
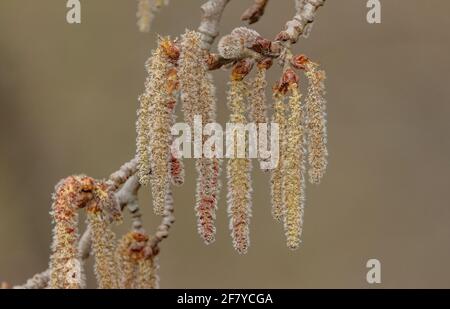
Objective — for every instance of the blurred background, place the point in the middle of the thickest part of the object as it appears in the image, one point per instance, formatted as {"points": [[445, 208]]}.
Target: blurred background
{"points": [[68, 100]]}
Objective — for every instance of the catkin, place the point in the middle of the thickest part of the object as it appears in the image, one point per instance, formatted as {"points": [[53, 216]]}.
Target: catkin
{"points": [[127, 262], [238, 174], [66, 271], [146, 12], [294, 169], [148, 273], [316, 123], [101, 212], [154, 123], [198, 98], [257, 99], [277, 188]]}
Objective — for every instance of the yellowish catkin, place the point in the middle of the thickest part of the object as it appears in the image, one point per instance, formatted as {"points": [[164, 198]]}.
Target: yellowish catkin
{"points": [[66, 271], [198, 98], [257, 100], [148, 273], [316, 123], [294, 169], [144, 15], [277, 188], [143, 139], [127, 262], [100, 214], [146, 12], [154, 123], [238, 174]]}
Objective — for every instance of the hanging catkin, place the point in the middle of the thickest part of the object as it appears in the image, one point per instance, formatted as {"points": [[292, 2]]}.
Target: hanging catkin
{"points": [[238, 174], [66, 271], [154, 123], [277, 188], [198, 99], [316, 123], [294, 169]]}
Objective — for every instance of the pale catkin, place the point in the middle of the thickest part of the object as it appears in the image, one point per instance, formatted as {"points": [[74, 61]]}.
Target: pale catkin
{"points": [[316, 123], [145, 15], [153, 126], [148, 273], [198, 98], [101, 212], [143, 139], [257, 99], [66, 268], [294, 168], [146, 12], [127, 262], [277, 187], [103, 247], [238, 174]]}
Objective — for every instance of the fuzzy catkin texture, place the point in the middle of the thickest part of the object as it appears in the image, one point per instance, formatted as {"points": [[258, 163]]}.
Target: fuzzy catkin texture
{"points": [[153, 127], [66, 270], [143, 138], [176, 164], [277, 187], [148, 273], [257, 99], [103, 247], [198, 98], [126, 262], [294, 165], [136, 270], [238, 174], [316, 123]]}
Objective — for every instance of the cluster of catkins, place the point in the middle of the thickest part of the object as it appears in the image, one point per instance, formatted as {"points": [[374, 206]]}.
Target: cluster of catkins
{"points": [[128, 264], [178, 71]]}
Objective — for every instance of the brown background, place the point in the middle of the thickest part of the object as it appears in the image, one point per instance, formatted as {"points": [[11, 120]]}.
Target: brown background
{"points": [[68, 104]]}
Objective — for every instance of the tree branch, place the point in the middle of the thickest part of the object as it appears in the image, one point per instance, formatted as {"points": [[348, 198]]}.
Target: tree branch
{"points": [[304, 17], [209, 26]]}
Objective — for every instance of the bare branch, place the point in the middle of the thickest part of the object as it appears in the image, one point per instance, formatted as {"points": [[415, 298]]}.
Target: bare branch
{"points": [[209, 26], [255, 12], [304, 17]]}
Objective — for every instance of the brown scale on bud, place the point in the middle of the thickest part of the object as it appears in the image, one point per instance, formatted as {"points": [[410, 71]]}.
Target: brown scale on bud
{"points": [[241, 69], [262, 46], [171, 50], [299, 62], [265, 64], [288, 79]]}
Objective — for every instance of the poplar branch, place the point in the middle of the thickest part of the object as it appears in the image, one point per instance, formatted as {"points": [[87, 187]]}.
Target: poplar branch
{"points": [[209, 26], [304, 17]]}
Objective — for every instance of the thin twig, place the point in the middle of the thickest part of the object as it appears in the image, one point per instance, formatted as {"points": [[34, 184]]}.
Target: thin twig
{"points": [[209, 26]]}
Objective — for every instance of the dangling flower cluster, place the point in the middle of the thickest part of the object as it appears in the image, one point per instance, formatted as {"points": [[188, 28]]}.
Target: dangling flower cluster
{"points": [[316, 122], [155, 117], [239, 169], [198, 99], [130, 264], [101, 211], [146, 12], [71, 194]]}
